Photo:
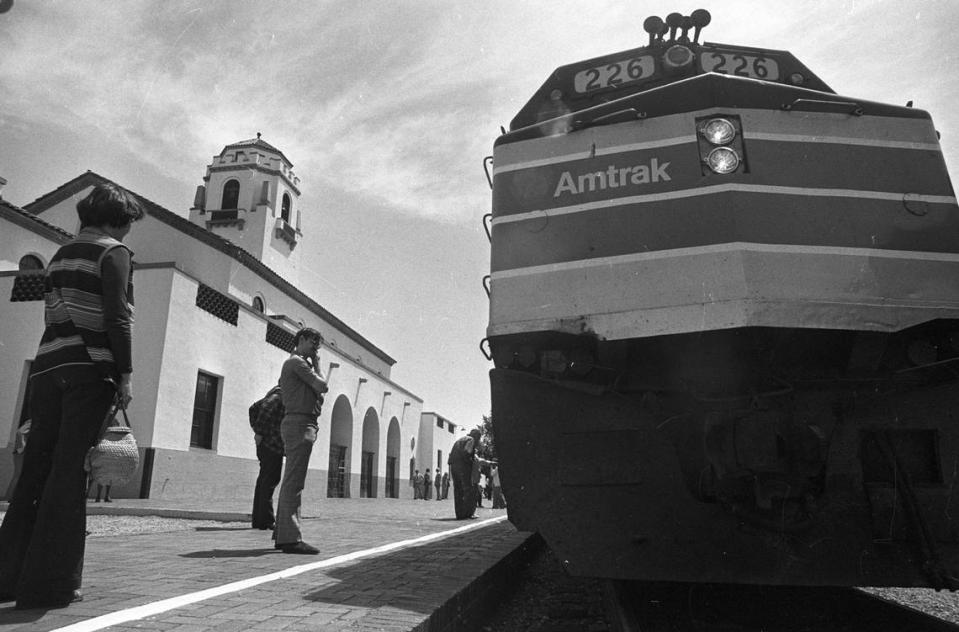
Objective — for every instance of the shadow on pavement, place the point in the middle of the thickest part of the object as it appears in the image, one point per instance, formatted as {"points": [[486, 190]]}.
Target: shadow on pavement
{"points": [[12, 615], [222, 528], [231, 553]]}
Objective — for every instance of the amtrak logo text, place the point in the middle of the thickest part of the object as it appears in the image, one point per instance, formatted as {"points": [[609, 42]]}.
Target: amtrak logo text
{"points": [[613, 177]]}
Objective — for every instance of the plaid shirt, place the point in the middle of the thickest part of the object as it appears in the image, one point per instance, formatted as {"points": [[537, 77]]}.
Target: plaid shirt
{"points": [[265, 418]]}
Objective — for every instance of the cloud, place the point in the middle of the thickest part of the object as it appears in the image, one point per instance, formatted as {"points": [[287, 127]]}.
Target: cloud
{"points": [[395, 101]]}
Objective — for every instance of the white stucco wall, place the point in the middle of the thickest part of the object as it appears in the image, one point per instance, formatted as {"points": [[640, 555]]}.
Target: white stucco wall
{"points": [[16, 241], [21, 325], [247, 366]]}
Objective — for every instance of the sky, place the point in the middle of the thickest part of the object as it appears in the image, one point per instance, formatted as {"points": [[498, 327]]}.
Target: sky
{"points": [[386, 109]]}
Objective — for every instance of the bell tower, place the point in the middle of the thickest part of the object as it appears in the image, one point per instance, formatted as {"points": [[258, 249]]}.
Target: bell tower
{"points": [[250, 196]]}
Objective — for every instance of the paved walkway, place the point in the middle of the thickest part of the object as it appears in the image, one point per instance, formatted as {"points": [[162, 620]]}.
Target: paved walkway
{"points": [[393, 565]]}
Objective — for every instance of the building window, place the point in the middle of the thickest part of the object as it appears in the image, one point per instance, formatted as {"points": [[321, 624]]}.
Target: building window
{"points": [[450, 428], [392, 490], [30, 262], [439, 460], [366, 476], [439, 422], [258, 304], [231, 194], [285, 208], [336, 475], [204, 410]]}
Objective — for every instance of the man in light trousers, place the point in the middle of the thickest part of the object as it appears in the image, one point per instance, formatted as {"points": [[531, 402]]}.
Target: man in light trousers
{"points": [[302, 384]]}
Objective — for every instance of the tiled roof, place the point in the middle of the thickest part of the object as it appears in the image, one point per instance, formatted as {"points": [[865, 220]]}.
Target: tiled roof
{"points": [[30, 221], [225, 246]]}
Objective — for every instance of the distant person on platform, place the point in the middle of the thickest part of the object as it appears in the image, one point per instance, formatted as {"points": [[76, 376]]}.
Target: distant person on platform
{"points": [[475, 477], [437, 483], [266, 417], [83, 365], [302, 384], [446, 485], [461, 462], [417, 485], [427, 485], [499, 502]]}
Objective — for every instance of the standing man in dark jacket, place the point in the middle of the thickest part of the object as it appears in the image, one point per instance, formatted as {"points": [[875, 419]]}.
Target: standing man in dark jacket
{"points": [[83, 365], [460, 461], [302, 384], [265, 418]]}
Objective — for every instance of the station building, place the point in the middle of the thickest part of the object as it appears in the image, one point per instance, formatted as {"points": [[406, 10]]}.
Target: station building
{"points": [[435, 438], [217, 303]]}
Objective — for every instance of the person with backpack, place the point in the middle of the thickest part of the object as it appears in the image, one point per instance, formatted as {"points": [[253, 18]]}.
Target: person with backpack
{"points": [[265, 417]]}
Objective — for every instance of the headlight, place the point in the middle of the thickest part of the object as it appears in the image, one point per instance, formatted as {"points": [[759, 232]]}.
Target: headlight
{"points": [[723, 160], [719, 131], [678, 57]]}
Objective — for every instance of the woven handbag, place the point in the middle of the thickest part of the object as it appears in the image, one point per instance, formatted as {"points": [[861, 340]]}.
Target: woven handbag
{"points": [[115, 458]]}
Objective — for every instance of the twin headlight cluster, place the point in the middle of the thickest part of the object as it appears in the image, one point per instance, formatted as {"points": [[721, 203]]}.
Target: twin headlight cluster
{"points": [[720, 144]]}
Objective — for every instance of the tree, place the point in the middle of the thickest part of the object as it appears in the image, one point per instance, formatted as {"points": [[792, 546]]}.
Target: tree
{"points": [[487, 446]]}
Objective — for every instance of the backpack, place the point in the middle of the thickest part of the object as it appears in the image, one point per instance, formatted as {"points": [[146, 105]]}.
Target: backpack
{"points": [[267, 413]]}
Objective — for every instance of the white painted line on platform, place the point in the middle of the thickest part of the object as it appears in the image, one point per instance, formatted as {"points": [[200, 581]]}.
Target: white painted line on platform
{"points": [[157, 607]]}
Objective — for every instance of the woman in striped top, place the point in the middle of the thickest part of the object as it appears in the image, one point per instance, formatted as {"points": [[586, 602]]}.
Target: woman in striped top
{"points": [[83, 365]]}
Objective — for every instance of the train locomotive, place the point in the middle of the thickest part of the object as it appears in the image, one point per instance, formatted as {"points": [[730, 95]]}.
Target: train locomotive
{"points": [[724, 322]]}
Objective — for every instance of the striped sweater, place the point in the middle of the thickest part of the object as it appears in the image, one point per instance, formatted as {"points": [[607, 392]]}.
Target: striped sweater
{"points": [[88, 308]]}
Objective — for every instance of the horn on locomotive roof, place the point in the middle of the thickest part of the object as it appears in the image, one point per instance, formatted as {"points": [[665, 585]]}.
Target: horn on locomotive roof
{"points": [[656, 28], [700, 18]]}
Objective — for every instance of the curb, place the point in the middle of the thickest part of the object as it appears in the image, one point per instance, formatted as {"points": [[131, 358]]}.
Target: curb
{"points": [[467, 610], [189, 514], [100, 509]]}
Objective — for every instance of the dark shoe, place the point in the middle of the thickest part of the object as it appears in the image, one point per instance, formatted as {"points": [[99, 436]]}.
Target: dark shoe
{"points": [[5, 596], [48, 602], [299, 547], [108, 500]]}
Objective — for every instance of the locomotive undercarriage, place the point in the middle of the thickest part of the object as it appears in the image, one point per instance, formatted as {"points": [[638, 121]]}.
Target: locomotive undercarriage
{"points": [[755, 455]]}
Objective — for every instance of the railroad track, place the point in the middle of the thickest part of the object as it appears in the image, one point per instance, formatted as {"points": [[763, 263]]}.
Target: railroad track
{"points": [[678, 607]]}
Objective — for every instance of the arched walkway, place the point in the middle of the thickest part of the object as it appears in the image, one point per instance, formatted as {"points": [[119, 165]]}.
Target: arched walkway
{"points": [[341, 433], [368, 462]]}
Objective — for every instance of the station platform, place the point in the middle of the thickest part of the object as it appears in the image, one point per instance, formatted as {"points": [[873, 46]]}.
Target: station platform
{"points": [[384, 564]]}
